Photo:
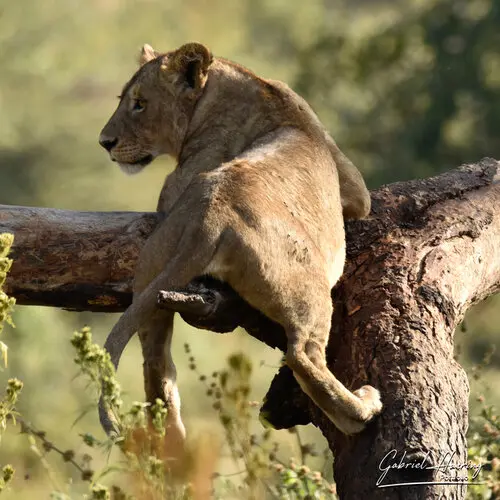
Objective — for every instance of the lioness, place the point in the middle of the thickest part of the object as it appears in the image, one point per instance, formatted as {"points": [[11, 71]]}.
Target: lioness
{"points": [[254, 202]]}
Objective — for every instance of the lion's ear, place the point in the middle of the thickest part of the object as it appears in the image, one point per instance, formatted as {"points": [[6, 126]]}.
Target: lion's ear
{"points": [[192, 60], [147, 54]]}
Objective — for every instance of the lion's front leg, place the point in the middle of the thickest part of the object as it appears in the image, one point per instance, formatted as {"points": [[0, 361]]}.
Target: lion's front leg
{"points": [[160, 374]]}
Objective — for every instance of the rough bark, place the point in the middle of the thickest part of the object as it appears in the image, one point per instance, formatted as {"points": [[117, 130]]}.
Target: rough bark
{"points": [[427, 253], [75, 260]]}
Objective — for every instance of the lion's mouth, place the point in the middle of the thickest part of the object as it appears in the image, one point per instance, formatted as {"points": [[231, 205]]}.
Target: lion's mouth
{"points": [[141, 162], [146, 160]]}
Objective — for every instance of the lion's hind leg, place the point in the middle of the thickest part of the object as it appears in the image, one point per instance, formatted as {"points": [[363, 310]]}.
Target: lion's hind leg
{"points": [[304, 308], [349, 411]]}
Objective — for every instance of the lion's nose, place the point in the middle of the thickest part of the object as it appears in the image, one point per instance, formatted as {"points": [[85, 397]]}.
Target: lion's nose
{"points": [[108, 143]]}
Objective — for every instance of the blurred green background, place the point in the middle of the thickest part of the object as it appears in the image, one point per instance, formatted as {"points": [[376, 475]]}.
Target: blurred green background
{"points": [[408, 89]]}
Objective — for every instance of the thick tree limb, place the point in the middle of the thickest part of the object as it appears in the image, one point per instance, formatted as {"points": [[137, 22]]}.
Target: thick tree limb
{"points": [[429, 251], [75, 260]]}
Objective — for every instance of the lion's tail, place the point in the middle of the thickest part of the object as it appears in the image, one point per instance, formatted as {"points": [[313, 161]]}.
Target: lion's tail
{"points": [[115, 344]]}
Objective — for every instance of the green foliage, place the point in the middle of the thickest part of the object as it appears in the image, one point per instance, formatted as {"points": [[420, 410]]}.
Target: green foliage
{"points": [[484, 442], [256, 455], [136, 438], [14, 386], [95, 363], [484, 448], [7, 475], [8, 402], [141, 438], [415, 95], [6, 303]]}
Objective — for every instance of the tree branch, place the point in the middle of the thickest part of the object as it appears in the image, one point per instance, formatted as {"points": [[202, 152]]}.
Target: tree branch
{"points": [[74, 260], [427, 253]]}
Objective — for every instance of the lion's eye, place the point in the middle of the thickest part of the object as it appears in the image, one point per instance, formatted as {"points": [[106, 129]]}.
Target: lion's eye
{"points": [[138, 105]]}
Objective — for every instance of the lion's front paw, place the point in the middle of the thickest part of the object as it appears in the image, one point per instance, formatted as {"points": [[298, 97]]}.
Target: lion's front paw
{"points": [[371, 401]]}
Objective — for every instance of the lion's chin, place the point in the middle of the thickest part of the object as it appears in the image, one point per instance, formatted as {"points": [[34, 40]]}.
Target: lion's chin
{"points": [[131, 168], [137, 166]]}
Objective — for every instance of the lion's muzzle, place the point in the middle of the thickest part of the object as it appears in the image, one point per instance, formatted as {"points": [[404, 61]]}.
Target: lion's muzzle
{"points": [[108, 143]]}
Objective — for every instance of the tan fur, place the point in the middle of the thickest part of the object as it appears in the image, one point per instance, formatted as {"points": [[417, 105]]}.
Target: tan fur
{"points": [[254, 201]]}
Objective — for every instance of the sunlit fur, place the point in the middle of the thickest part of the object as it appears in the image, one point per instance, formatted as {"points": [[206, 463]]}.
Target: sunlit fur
{"points": [[255, 201]]}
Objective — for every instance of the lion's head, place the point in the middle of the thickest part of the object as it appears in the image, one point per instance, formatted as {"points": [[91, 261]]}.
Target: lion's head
{"points": [[156, 106]]}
